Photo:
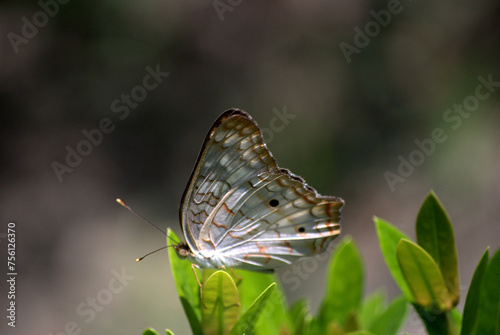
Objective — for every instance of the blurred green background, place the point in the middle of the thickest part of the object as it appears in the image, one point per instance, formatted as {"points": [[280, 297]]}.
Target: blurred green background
{"points": [[64, 65]]}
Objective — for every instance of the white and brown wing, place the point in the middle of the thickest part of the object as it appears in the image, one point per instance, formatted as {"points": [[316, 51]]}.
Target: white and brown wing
{"points": [[233, 153], [240, 210], [270, 221]]}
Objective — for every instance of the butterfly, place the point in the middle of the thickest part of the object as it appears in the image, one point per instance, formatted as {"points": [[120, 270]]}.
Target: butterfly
{"points": [[240, 210]]}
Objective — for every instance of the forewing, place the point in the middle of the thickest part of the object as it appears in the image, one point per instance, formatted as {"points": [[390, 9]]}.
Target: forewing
{"points": [[233, 153], [269, 221]]}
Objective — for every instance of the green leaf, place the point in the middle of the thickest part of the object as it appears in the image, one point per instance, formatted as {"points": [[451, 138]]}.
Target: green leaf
{"points": [[150, 331], [247, 322], [299, 314], [488, 318], [471, 307], [187, 286], [435, 235], [221, 304], [391, 320], [169, 332], [250, 286], [423, 276], [372, 307], [389, 237], [344, 286]]}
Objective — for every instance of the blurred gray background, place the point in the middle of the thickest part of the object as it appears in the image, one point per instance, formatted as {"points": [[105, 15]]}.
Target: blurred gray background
{"points": [[356, 114]]}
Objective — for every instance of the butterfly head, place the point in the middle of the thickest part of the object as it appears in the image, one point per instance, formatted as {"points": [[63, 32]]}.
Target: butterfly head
{"points": [[182, 249]]}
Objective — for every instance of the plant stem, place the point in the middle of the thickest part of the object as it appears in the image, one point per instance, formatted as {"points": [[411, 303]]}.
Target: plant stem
{"points": [[437, 322]]}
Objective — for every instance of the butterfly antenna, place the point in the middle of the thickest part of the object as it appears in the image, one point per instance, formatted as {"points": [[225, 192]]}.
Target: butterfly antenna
{"points": [[140, 216], [149, 253]]}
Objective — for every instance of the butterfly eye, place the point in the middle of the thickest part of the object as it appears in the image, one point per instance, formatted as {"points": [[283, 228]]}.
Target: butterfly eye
{"points": [[274, 203], [301, 229]]}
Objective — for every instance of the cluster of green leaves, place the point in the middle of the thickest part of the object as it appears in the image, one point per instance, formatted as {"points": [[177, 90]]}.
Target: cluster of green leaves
{"points": [[427, 274], [343, 310], [241, 302], [234, 302]]}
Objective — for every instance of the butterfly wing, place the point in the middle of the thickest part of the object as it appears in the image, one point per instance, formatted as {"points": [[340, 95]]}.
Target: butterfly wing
{"points": [[242, 211], [270, 221], [232, 153]]}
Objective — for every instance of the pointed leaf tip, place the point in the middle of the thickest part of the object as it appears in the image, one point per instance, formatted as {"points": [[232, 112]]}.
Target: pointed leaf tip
{"points": [[435, 235], [247, 322], [389, 237], [488, 318], [150, 331], [344, 271]]}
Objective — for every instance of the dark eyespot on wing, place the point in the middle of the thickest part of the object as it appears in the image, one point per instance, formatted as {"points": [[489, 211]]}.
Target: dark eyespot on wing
{"points": [[274, 203]]}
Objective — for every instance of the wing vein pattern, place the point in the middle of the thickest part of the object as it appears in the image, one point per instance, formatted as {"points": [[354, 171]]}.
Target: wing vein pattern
{"points": [[241, 210]]}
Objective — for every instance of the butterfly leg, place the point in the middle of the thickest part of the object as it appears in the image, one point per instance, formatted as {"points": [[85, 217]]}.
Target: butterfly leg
{"points": [[235, 276], [193, 266]]}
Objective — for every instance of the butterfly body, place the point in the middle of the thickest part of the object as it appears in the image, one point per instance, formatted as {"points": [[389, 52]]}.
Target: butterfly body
{"points": [[240, 210]]}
